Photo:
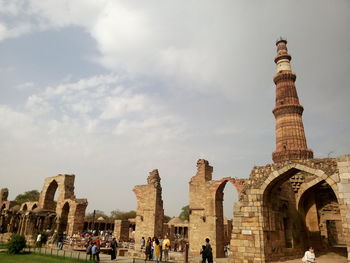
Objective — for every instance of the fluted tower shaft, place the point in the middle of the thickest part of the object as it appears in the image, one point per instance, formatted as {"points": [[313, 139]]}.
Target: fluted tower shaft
{"points": [[290, 135]]}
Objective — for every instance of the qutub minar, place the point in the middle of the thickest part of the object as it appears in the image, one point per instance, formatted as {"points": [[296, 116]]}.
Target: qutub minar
{"points": [[290, 135]]}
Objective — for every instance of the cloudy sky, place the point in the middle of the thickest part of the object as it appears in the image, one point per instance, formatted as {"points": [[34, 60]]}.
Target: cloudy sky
{"points": [[110, 90]]}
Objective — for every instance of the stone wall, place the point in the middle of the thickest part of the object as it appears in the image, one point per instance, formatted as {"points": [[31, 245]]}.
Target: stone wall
{"points": [[149, 213], [206, 209], [121, 230], [270, 218]]}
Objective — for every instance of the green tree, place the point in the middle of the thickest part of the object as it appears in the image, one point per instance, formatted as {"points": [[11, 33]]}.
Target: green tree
{"points": [[167, 218], [16, 244], [98, 213], [185, 213], [32, 195], [117, 214]]}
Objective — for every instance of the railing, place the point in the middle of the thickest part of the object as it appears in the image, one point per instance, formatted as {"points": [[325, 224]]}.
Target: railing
{"points": [[58, 252]]}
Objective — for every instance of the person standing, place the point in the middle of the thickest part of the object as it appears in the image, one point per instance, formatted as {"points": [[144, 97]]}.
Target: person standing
{"points": [[208, 251], [114, 246], [156, 250], [309, 256], [166, 247], [143, 243], [161, 247], [148, 250], [204, 256], [94, 252], [38, 240]]}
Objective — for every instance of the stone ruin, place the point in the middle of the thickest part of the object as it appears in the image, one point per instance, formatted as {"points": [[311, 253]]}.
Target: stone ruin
{"points": [[206, 209], [149, 212], [65, 217]]}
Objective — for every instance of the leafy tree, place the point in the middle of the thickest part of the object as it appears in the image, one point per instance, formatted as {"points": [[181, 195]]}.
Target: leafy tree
{"points": [[98, 213], [185, 213], [167, 218], [32, 195], [16, 244], [121, 215]]}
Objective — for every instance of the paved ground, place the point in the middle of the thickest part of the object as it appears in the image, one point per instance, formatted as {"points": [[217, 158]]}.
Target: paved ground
{"points": [[328, 258]]}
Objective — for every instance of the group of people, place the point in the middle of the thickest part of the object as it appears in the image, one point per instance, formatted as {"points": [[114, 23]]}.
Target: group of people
{"points": [[155, 248], [93, 248]]}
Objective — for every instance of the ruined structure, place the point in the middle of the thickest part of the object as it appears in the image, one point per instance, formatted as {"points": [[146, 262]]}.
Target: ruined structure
{"points": [[206, 209], [64, 216], [297, 201], [150, 212]]}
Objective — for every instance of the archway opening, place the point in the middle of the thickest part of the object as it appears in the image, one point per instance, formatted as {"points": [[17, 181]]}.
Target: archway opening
{"points": [[320, 209], [34, 206], [63, 221], [25, 207], [284, 227], [225, 196], [50, 201]]}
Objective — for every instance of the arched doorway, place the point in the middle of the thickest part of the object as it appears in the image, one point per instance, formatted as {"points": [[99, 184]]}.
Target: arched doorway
{"points": [[49, 199], [223, 220], [319, 207], [63, 226]]}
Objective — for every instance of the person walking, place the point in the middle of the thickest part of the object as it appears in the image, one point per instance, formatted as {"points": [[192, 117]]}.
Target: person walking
{"points": [[114, 246], [309, 256], [166, 247]]}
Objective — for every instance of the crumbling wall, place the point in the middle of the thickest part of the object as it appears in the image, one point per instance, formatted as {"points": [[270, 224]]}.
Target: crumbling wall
{"points": [[206, 209], [150, 212]]}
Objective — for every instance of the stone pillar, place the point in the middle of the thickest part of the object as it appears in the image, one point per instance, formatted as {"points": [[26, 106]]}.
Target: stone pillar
{"points": [[247, 243], [202, 223], [121, 230], [344, 196], [149, 213]]}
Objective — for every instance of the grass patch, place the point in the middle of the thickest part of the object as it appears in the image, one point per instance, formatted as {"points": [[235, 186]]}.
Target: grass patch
{"points": [[35, 258]]}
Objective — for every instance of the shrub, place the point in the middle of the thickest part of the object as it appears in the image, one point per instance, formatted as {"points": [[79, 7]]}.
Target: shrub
{"points": [[16, 244]]}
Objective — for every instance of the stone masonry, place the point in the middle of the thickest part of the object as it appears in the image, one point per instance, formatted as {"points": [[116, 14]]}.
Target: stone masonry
{"points": [[206, 209], [150, 212]]}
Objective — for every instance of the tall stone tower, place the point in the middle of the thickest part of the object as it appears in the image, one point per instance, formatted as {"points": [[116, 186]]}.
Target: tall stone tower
{"points": [[290, 135]]}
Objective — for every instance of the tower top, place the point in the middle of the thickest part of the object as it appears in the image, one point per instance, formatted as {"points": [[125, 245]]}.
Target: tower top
{"points": [[281, 39]]}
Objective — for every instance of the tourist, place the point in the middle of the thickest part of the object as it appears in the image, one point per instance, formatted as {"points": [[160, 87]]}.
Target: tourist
{"points": [[143, 243], [208, 252], [161, 247], [204, 257], [94, 252], [98, 250], [157, 250], [89, 249], [114, 246], [38, 240], [166, 247], [148, 250], [60, 241], [309, 256]]}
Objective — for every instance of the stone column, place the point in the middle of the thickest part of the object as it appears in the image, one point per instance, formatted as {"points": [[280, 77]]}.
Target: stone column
{"points": [[149, 213], [344, 196]]}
